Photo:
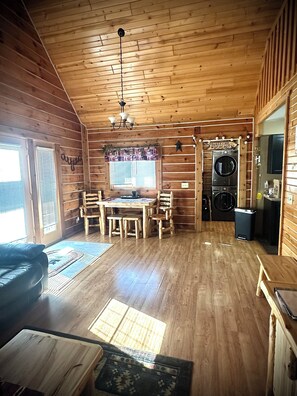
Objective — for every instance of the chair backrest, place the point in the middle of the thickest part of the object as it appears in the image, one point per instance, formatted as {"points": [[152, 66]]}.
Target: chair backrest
{"points": [[164, 202], [89, 201]]}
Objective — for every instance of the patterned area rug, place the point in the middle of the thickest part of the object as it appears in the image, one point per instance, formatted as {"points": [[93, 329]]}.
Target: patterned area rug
{"points": [[130, 372], [68, 258], [60, 259]]}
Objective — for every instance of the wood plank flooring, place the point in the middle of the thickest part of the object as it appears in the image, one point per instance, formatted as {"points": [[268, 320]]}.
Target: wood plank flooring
{"points": [[199, 289]]}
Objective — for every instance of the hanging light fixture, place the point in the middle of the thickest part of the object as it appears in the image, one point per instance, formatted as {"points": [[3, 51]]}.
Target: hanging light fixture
{"points": [[126, 121]]}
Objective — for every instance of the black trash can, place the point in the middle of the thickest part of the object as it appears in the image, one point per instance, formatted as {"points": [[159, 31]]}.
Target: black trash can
{"points": [[205, 208], [244, 223]]}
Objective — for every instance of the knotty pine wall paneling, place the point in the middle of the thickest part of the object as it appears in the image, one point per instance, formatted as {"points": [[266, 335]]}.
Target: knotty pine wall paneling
{"points": [[177, 166], [34, 104], [277, 86], [183, 60]]}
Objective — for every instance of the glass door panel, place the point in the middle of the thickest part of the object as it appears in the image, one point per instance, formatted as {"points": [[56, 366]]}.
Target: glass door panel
{"points": [[15, 196], [48, 197]]}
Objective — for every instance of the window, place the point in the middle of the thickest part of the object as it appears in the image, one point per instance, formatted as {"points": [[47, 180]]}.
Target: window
{"points": [[133, 174], [133, 167]]}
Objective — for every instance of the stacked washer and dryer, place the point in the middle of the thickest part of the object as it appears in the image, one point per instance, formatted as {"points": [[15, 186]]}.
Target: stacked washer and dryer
{"points": [[224, 184]]}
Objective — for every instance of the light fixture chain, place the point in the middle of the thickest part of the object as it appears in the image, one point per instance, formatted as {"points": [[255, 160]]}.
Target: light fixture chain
{"points": [[121, 63], [126, 120]]}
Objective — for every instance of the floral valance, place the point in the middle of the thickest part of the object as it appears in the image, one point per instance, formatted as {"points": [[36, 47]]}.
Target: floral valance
{"points": [[145, 153]]}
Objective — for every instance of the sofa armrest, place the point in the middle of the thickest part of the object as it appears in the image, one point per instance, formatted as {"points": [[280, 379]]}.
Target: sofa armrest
{"points": [[42, 259]]}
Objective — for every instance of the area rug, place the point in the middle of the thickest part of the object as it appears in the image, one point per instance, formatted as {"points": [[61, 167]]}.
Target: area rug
{"points": [[60, 259], [130, 372], [127, 372], [68, 258]]}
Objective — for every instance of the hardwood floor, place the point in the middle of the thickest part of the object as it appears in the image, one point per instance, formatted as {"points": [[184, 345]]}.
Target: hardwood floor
{"points": [[199, 289]]}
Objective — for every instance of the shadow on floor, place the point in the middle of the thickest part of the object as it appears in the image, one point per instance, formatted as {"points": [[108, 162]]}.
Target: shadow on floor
{"points": [[269, 249]]}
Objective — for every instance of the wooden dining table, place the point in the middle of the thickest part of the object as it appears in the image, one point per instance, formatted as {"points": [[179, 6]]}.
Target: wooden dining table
{"points": [[126, 203]]}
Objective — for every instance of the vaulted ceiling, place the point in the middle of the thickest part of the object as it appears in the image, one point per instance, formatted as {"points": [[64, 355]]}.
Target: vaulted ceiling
{"points": [[183, 60]]}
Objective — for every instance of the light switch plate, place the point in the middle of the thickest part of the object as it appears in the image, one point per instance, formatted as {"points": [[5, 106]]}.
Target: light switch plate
{"points": [[185, 185]]}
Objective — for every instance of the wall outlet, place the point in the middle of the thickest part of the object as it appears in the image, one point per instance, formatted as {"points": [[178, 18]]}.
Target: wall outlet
{"points": [[185, 185], [290, 199]]}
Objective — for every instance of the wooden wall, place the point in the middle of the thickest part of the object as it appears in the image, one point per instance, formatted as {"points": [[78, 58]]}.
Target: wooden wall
{"points": [[278, 85], [34, 104], [177, 166]]}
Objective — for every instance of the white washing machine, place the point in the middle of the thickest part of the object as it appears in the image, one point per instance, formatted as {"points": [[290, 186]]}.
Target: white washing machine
{"points": [[224, 201]]}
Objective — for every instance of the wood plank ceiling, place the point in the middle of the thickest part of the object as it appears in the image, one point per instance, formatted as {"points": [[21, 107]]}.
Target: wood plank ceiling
{"points": [[183, 60]]}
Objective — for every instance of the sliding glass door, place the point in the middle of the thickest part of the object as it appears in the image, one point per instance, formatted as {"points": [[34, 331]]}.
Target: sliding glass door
{"points": [[48, 195], [15, 194]]}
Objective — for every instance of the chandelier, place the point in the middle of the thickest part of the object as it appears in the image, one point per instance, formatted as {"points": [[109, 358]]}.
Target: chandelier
{"points": [[126, 121]]}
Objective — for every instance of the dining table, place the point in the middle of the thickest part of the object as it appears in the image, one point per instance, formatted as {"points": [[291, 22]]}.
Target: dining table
{"points": [[141, 203]]}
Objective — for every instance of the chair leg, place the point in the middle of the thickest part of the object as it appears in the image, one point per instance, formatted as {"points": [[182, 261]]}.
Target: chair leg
{"points": [[171, 227], [160, 229], [126, 226], [121, 228], [86, 224], [110, 227]]}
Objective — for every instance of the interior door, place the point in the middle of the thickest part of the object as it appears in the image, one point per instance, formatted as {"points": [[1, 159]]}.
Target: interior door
{"points": [[48, 195], [15, 193]]}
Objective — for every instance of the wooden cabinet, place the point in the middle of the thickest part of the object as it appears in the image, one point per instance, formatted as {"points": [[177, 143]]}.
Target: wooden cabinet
{"points": [[282, 349], [283, 359]]}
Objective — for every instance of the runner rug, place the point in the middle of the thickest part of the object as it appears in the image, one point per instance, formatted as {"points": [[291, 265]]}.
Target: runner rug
{"points": [[131, 372], [68, 258]]}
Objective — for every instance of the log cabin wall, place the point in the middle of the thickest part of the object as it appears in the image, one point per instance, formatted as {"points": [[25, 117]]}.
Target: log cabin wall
{"points": [[34, 104], [278, 85], [176, 166]]}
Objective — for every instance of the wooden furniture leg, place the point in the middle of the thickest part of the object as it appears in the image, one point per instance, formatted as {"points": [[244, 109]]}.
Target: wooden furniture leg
{"points": [[262, 276], [271, 350], [86, 225], [145, 222], [102, 219]]}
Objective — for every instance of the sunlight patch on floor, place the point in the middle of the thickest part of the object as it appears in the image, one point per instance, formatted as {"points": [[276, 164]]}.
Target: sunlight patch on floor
{"points": [[125, 326]]}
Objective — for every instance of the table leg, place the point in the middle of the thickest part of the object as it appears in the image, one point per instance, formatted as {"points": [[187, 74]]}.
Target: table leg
{"points": [[102, 219], [259, 292], [271, 351], [145, 222]]}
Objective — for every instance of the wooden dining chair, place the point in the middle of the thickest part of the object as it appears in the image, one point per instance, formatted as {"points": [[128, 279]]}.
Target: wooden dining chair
{"points": [[89, 210], [162, 217]]}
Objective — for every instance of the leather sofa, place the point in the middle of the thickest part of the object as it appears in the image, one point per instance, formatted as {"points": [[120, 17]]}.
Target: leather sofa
{"points": [[23, 277]]}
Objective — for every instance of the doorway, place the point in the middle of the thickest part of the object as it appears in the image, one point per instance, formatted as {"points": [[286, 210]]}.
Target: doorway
{"points": [[269, 159]]}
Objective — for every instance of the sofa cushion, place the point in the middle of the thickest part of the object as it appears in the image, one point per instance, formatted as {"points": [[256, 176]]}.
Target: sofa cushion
{"points": [[16, 280], [13, 252]]}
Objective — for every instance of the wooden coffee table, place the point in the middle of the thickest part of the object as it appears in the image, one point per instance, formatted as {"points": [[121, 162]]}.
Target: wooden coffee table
{"points": [[50, 364]]}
